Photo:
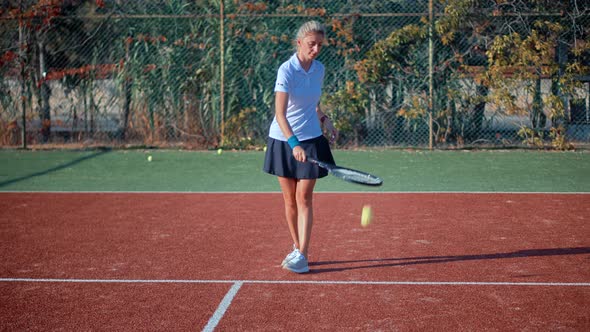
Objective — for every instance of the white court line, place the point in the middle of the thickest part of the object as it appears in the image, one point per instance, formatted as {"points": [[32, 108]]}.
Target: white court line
{"points": [[309, 282], [218, 314], [237, 284]]}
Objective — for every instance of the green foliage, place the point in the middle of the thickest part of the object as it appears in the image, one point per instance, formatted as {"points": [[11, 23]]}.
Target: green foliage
{"points": [[165, 56], [505, 59], [347, 110], [243, 131], [526, 60], [558, 139], [531, 137], [393, 56]]}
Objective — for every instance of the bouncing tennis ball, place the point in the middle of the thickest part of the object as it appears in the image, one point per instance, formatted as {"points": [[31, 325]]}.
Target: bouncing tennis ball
{"points": [[366, 216], [264, 149], [219, 151], [149, 158]]}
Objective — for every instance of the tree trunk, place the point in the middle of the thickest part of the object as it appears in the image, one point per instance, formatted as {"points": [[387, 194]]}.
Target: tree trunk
{"points": [[21, 53], [476, 122], [538, 118]]}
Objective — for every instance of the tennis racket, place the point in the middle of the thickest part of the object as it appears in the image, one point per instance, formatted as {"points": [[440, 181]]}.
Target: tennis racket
{"points": [[348, 174]]}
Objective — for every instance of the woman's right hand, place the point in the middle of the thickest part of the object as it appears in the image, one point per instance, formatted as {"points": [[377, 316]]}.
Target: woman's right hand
{"points": [[299, 154]]}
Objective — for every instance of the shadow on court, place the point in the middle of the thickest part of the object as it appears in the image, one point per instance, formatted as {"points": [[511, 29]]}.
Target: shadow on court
{"points": [[56, 168], [390, 262]]}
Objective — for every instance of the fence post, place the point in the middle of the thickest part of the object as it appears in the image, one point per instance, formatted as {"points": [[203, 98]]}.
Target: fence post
{"points": [[21, 50], [430, 74], [222, 69]]}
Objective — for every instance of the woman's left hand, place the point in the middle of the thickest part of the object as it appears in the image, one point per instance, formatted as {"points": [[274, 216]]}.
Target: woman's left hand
{"points": [[332, 131]]}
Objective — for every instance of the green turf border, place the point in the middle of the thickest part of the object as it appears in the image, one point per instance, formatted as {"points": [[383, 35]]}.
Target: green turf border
{"points": [[240, 171]]}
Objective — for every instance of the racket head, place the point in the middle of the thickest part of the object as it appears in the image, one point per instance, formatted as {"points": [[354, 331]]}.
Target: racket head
{"points": [[349, 174], [356, 176]]}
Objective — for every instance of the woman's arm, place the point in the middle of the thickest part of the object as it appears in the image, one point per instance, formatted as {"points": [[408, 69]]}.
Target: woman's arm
{"points": [[325, 120], [281, 101]]}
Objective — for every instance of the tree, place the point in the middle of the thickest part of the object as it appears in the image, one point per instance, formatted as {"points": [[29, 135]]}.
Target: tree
{"points": [[510, 48], [486, 51]]}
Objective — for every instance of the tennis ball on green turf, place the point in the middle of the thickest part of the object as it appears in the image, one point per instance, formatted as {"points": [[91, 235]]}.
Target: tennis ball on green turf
{"points": [[149, 158], [219, 151], [366, 216]]}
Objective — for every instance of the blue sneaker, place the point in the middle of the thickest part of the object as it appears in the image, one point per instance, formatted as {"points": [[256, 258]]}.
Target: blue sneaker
{"points": [[290, 256], [298, 264]]}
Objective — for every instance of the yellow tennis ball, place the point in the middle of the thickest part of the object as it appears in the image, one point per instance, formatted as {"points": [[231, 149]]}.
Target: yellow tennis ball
{"points": [[219, 151], [366, 216], [149, 158], [264, 149]]}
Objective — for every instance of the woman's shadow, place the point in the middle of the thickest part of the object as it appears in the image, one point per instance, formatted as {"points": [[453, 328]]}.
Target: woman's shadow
{"points": [[406, 261]]}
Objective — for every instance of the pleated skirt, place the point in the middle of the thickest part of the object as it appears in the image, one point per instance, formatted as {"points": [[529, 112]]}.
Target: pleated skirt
{"points": [[279, 158]]}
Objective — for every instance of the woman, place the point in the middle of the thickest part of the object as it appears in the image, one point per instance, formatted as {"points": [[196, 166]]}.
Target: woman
{"points": [[295, 134]]}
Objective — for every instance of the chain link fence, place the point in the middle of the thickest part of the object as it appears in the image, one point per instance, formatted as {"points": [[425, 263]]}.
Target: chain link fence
{"points": [[200, 74]]}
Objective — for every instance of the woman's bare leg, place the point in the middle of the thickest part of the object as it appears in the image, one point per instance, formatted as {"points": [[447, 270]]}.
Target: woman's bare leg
{"points": [[289, 189], [304, 196]]}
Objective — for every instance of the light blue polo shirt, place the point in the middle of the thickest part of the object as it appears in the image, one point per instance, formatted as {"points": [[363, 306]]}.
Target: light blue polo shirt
{"points": [[304, 89]]}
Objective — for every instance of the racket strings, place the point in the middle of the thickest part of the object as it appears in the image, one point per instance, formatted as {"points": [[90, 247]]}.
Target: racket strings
{"points": [[356, 176]]}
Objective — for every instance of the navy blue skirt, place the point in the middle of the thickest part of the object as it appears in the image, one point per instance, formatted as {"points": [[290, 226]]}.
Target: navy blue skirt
{"points": [[279, 158]]}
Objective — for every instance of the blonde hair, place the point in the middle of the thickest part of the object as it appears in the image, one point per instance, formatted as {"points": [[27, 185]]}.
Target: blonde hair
{"points": [[309, 27]]}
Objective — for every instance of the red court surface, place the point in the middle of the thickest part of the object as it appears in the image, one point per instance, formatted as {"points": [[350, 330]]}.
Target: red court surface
{"points": [[186, 262]]}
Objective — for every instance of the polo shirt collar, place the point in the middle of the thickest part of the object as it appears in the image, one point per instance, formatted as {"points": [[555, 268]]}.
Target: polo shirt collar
{"points": [[295, 62]]}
